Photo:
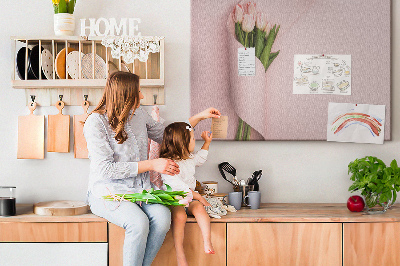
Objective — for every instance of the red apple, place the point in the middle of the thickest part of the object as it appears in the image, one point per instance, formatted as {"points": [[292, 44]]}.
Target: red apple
{"points": [[355, 204]]}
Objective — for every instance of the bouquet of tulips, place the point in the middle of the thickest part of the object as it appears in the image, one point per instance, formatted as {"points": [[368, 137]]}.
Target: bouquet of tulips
{"points": [[164, 197], [64, 6], [253, 30]]}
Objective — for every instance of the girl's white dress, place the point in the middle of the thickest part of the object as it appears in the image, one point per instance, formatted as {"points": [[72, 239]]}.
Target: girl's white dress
{"points": [[185, 180]]}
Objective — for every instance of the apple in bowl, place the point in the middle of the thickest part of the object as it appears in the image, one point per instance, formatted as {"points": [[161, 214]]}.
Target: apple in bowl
{"points": [[355, 203]]}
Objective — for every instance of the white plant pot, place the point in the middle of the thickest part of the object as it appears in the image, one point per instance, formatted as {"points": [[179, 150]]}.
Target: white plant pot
{"points": [[64, 24]]}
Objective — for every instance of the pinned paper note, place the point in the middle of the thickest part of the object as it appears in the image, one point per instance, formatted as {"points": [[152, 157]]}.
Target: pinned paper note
{"points": [[322, 74], [361, 123], [219, 127], [247, 61]]}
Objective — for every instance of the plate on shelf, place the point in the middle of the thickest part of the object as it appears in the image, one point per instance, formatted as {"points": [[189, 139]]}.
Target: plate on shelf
{"points": [[73, 64], [20, 64], [60, 62], [34, 61], [47, 64], [100, 67]]}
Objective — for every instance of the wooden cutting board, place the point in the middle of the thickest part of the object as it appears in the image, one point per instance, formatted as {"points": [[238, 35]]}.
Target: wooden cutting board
{"points": [[80, 149], [60, 208], [61, 63], [58, 131], [31, 135]]}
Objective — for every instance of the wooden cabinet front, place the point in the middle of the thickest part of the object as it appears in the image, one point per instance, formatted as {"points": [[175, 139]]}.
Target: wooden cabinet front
{"points": [[53, 232], [371, 244], [166, 256], [284, 244]]}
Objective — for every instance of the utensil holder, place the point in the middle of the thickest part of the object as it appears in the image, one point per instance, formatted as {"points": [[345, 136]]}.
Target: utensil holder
{"points": [[245, 191]]}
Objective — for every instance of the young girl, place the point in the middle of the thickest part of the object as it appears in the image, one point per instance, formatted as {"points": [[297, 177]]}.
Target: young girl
{"points": [[178, 144], [116, 133]]}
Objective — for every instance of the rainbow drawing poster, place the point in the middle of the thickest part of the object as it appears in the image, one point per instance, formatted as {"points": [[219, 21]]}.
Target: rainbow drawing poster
{"points": [[361, 123]]}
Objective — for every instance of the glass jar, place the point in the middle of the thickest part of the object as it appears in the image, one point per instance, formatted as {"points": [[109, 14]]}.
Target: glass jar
{"points": [[7, 201]]}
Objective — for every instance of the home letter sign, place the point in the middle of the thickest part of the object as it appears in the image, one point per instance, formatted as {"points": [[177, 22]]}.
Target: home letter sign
{"points": [[110, 27]]}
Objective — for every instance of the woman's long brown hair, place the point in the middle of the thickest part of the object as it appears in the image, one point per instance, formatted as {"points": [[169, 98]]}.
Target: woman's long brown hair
{"points": [[175, 144], [120, 95]]}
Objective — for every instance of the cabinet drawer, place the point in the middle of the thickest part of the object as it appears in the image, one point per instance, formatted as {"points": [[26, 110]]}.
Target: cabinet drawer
{"points": [[284, 244], [53, 232], [60, 254]]}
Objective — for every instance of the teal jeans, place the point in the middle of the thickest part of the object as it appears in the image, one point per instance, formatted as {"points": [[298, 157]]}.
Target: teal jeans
{"points": [[145, 227]]}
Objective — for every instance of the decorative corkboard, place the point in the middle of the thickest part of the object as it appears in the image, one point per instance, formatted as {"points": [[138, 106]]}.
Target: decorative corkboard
{"points": [[357, 28]]}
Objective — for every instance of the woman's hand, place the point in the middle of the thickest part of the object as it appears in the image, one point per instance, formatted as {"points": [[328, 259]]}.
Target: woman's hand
{"points": [[165, 166], [206, 136], [208, 113]]}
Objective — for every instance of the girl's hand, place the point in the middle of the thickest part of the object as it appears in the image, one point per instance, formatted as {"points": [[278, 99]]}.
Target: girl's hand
{"points": [[209, 113], [205, 203], [206, 136], [165, 166]]}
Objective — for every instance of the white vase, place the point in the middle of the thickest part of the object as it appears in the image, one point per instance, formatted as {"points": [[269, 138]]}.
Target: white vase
{"points": [[64, 24]]}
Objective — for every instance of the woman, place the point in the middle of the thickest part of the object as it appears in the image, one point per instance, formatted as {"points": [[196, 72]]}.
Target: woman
{"points": [[116, 133]]}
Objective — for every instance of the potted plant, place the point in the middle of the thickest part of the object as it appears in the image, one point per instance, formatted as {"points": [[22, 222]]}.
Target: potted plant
{"points": [[377, 182], [64, 22]]}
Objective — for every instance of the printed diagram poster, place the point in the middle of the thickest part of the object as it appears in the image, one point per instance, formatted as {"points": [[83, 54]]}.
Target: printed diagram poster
{"points": [[361, 123], [322, 74]]}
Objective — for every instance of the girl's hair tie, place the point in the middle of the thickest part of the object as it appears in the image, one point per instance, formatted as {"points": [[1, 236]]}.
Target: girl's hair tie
{"points": [[189, 128]]}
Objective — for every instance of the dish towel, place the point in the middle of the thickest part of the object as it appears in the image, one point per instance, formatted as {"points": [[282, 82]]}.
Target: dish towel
{"points": [[154, 151]]}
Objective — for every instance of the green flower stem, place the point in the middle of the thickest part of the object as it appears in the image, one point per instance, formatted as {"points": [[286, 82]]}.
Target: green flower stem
{"points": [[266, 53], [271, 59], [239, 132], [259, 41], [246, 40], [239, 33]]}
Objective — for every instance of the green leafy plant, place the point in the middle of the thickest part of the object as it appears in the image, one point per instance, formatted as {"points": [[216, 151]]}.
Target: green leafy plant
{"points": [[377, 182], [64, 6], [165, 197]]}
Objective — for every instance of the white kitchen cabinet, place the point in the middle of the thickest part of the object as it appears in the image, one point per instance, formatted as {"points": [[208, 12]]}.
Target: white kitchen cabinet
{"points": [[60, 254]]}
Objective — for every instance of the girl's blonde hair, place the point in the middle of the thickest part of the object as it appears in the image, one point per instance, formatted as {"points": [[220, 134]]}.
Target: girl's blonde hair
{"points": [[121, 95], [175, 144]]}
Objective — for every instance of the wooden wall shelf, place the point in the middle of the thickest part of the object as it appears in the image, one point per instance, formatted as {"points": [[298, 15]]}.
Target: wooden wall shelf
{"points": [[151, 72]]}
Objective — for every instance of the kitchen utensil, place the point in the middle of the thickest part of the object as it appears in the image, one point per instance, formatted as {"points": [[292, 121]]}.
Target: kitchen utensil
{"points": [[61, 63], [254, 179], [245, 190], [36, 53], [73, 64], [235, 199], [47, 63], [31, 135], [99, 67], [7, 201], [60, 208], [253, 198], [80, 149], [58, 131], [225, 166], [20, 60]]}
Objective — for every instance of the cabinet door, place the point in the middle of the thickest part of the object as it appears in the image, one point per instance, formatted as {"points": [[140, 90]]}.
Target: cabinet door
{"points": [[371, 244], [166, 256], [53, 232], [284, 244], [60, 254]]}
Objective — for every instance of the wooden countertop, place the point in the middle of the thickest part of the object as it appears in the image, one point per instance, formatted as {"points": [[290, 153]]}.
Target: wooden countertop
{"points": [[268, 212]]}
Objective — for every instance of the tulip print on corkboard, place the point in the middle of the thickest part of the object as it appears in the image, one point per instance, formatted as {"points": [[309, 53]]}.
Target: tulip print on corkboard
{"points": [[263, 107]]}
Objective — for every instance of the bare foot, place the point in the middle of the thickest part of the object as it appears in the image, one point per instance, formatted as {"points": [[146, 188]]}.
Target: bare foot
{"points": [[209, 249]]}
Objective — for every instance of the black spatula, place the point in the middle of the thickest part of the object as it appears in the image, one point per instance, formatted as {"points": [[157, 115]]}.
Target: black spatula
{"points": [[225, 166]]}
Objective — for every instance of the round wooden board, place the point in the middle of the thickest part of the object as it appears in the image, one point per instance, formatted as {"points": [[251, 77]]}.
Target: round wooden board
{"points": [[60, 208]]}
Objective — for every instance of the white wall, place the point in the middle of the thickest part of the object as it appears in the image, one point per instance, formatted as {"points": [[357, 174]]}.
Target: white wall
{"points": [[294, 171]]}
